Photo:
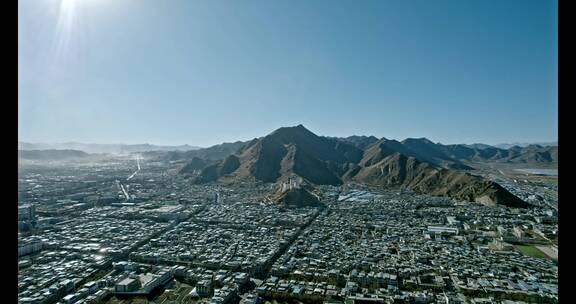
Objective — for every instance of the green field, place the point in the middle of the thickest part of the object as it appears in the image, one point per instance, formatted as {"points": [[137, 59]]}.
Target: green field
{"points": [[530, 250]]}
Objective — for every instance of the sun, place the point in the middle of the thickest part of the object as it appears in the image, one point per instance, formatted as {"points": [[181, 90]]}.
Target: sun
{"points": [[67, 11], [67, 2]]}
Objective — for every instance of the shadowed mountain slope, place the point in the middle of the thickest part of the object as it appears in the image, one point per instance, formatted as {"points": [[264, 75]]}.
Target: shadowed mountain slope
{"points": [[296, 152]]}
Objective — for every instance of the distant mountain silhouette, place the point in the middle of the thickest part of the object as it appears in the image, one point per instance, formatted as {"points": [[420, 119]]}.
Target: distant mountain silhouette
{"points": [[51, 154], [102, 148], [478, 146], [360, 142], [457, 156], [522, 145], [216, 152], [529, 154]]}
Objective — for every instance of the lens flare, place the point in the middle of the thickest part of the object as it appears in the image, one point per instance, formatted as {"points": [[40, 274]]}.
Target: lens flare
{"points": [[68, 37]]}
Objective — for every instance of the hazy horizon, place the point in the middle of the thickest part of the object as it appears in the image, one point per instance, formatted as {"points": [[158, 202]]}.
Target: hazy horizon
{"points": [[248, 139], [204, 72]]}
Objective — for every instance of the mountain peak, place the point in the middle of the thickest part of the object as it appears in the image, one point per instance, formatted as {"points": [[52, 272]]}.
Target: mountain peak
{"points": [[298, 130], [297, 127], [419, 139]]}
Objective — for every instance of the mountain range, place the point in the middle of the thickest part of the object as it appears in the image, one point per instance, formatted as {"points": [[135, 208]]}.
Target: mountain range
{"points": [[295, 152], [102, 148], [50, 155], [216, 152], [522, 145], [414, 163], [456, 156]]}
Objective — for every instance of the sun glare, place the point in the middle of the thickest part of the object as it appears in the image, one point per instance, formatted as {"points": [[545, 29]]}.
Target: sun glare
{"points": [[68, 30]]}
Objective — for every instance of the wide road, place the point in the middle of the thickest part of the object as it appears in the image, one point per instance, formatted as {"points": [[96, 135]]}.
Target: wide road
{"points": [[137, 170]]}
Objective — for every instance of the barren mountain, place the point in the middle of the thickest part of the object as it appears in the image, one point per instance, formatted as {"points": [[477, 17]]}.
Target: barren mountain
{"points": [[295, 151], [300, 196], [398, 170], [457, 156]]}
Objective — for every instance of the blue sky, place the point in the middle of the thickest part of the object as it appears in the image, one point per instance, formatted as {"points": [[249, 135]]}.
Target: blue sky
{"points": [[205, 72]]}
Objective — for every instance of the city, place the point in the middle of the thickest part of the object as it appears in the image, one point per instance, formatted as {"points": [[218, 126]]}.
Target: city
{"points": [[288, 152], [83, 240]]}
